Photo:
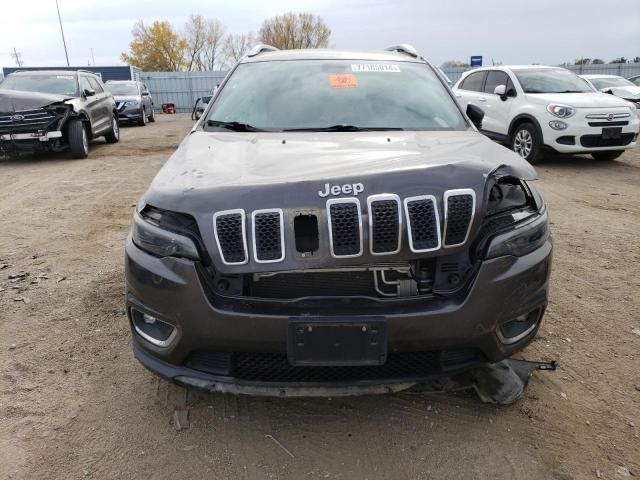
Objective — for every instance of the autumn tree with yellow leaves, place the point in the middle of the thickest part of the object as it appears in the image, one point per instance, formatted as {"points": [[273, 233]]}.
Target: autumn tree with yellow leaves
{"points": [[156, 48]]}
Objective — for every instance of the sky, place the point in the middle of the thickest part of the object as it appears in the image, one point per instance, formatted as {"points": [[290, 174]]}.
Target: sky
{"points": [[507, 31]]}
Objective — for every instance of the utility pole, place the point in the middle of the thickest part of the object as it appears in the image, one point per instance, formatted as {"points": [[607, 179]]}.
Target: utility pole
{"points": [[17, 56], [62, 32], [93, 59]]}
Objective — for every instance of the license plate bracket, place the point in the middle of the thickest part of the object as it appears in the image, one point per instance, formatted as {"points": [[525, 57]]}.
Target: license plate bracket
{"points": [[337, 342], [612, 133]]}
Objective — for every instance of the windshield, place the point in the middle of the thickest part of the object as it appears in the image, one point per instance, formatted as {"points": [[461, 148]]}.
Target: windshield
{"points": [[601, 83], [321, 94], [551, 80], [123, 88], [57, 84]]}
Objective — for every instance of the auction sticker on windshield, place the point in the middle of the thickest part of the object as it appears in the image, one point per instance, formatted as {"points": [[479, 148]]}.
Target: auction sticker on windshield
{"points": [[345, 80], [375, 67]]}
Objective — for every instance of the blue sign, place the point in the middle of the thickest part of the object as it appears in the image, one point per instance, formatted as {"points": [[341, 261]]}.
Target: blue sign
{"points": [[476, 61]]}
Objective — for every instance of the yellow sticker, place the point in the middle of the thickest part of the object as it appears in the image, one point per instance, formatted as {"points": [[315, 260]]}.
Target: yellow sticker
{"points": [[345, 80]]}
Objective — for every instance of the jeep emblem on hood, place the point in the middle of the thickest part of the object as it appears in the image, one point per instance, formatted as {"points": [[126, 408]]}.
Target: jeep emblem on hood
{"points": [[346, 189]]}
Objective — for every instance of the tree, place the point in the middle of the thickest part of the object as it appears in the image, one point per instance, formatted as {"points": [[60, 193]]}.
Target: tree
{"points": [[295, 30], [582, 61], [205, 38], [619, 60], [636, 60], [597, 61], [454, 64], [156, 48], [236, 46]]}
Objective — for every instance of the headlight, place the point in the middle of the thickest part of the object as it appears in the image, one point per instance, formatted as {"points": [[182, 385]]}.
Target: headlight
{"points": [[523, 239], [557, 125], [132, 103], [161, 242], [562, 111]]}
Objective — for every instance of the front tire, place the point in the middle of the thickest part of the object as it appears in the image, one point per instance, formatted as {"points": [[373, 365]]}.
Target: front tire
{"points": [[526, 142], [114, 135], [78, 139], [607, 156], [143, 117]]}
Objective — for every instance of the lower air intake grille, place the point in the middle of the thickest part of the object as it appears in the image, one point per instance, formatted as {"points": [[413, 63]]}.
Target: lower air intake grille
{"points": [[345, 227], [230, 236], [384, 218], [423, 223], [458, 214], [269, 367], [267, 234]]}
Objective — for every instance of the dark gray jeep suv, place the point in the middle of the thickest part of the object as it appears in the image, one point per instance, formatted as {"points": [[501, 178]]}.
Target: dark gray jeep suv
{"points": [[54, 110], [335, 224]]}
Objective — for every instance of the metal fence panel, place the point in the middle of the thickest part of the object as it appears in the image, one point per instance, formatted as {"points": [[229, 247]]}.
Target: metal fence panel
{"points": [[181, 88]]}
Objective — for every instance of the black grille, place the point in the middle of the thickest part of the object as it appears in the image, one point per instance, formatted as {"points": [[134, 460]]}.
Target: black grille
{"points": [[345, 228], [314, 284], [423, 224], [598, 141], [621, 123], [26, 121], [385, 226], [459, 213], [229, 230], [268, 367], [267, 233]]}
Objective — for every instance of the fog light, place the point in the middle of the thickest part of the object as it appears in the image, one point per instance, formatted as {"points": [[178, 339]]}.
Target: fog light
{"points": [[518, 328], [557, 125], [152, 329]]}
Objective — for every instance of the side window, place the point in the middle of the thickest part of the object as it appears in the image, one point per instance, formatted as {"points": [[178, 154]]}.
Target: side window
{"points": [[495, 78], [84, 83], [144, 88], [473, 82], [95, 84]]}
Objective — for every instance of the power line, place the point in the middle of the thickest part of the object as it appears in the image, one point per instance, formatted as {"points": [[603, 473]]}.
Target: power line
{"points": [[62, 32]]}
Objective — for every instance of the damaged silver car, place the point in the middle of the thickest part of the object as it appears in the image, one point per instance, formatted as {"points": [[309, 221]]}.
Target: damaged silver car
{"points": [[55, 110]]}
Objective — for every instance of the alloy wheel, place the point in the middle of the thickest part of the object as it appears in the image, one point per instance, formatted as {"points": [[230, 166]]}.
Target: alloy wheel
{"points": [[523, 143]]}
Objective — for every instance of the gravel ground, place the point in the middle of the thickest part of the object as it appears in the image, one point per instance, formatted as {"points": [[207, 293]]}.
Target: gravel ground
{"points": [[75, 404]]}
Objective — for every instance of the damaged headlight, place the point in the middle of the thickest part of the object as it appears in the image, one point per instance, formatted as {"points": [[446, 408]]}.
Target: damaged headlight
{"points": [[523, 239], [159, 241]]}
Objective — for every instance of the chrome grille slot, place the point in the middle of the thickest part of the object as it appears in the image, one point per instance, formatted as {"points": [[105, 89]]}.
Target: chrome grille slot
{"points": [[268, 235], [459, 208], [385, 224], [345, 227], [423, 223], [28, 120], [231, 238]]}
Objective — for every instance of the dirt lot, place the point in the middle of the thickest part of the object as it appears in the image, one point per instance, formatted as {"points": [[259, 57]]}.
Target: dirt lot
{"points": [[75, 404]]}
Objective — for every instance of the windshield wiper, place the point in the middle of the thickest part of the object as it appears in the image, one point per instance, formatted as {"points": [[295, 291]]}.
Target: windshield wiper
{"points": [[233, 126], [341, 128]]}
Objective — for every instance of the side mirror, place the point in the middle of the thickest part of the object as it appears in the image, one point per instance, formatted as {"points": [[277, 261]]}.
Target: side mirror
{"points": [[500, 90], [475, 114], [145, 94], [88, 92]]}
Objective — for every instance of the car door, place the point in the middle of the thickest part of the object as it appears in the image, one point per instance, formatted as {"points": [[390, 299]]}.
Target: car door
{"points": [[146, 98], [469, 91], [91, 104], [105, 105], [497, 107]]}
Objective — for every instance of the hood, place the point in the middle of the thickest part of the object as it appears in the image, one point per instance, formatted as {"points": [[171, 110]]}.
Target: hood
{"points": [[126, 98], [214, 171], [578, 100], [16, 100], [631, 93], [220, 170]]}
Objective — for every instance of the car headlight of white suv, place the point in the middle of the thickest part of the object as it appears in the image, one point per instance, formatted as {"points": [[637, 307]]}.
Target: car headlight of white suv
{"points": [[562, 111]]}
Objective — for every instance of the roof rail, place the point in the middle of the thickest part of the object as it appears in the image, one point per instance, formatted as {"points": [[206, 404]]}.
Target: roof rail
{"points": [[261, 47], [404, 48]]}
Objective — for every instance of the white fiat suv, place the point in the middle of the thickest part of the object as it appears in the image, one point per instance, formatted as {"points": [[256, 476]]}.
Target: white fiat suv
{"points": [[536, 108]]}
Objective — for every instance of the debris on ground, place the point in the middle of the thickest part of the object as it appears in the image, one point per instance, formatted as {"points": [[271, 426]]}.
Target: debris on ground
{"points": [[181, 419]]}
